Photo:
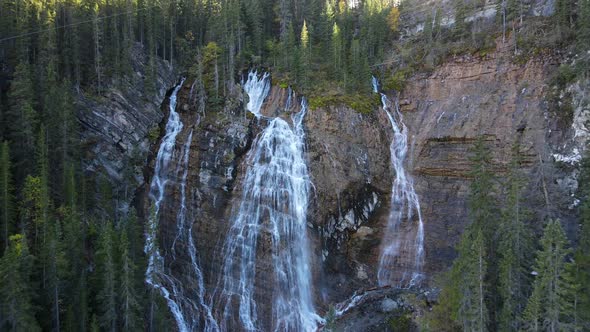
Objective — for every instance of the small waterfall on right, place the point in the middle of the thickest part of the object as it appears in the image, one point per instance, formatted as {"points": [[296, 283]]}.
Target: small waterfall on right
{"points": [[400, 239]]}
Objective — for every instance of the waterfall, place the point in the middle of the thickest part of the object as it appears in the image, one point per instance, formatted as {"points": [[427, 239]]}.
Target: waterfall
{"points": [[185, 303], [272, 218], [257, 89], [405, 207]]}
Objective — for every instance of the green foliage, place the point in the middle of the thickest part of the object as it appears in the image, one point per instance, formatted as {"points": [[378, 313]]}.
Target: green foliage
{"points": [[583, 29], [473, 310], [6, 196], [514, 247], [107, 277], [565, 74], [211, 77], [460, 27], [17, 310], [330, 319], [401, 323], [481, 200], [471, 278], [397, 81], [545, 306], [578, 271], [154, 134], [444, 316], [23, 119], [128, 294]]}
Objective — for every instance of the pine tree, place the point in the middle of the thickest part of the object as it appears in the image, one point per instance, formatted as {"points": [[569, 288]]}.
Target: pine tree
{"points": [[472, 284], [17, 312], [471, 269], [23, 120], [77, 287], [481, 200], [305, 56], [513, 248], [579, 270], [129, 306], [107, 298], [337, 52], [583, 28], [97, 39], [56, 268], [564, 15], [31, 210], [469, 285], [428, 26], [545, 306], [570, 295], [6, 196], [460, 27], [533, 311]]}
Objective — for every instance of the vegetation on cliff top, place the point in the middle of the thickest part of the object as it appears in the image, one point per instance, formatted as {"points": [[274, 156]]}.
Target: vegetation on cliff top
{"points": [[64, 249]]}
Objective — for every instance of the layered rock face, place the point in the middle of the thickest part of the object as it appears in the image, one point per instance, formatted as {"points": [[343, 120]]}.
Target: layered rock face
{"points": [[115, 127], [415, 12], [507, 103], [348, 160]]}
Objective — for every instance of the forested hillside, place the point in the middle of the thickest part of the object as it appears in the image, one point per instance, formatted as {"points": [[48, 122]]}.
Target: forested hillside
{"points": [[72, 259]]}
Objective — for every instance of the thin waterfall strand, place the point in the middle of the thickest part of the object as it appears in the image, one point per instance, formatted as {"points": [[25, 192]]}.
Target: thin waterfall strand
{"points": [[155, 270], [404, 204], [184, 305]]}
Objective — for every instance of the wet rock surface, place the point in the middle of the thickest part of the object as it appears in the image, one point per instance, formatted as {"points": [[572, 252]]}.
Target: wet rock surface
{"points": [[349, 164]]}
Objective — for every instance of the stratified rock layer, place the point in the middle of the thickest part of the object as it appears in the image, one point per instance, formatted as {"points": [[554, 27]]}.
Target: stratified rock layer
{"points": [[349, 164], [115, 126]]}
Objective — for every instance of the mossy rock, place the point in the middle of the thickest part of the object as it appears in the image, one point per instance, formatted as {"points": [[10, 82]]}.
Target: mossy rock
{"points": [[364, 104], [154, 134], [401, 323]]}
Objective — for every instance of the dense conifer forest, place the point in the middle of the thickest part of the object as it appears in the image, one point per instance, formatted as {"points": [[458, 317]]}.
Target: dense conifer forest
{"points": [[71, 261]]}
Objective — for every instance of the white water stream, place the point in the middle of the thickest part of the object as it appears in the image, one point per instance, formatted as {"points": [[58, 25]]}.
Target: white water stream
{"points": [[405, 207], [271, 219]]}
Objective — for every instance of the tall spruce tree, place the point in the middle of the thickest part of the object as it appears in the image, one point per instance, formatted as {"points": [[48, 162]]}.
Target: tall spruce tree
{"points": [[17, 310], [514, 248], [23, 120], [469, 286], [75, 233], [579, 269], [583, 29], [128, 292], [54, 258], [107, 277], [6, 196], [473, 311], [545, 307]]}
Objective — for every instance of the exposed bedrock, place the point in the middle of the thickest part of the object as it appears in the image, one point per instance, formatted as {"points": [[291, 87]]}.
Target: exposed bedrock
{"points": [[349, 165]]}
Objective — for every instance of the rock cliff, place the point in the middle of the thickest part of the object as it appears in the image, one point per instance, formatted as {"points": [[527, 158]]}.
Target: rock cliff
{"points": [[116, 126], [349, 164]]}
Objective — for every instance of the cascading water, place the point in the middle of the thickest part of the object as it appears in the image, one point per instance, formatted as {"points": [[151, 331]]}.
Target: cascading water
{"points": [[405, 207], [185, 306], [257, 88], [273, 207]]}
